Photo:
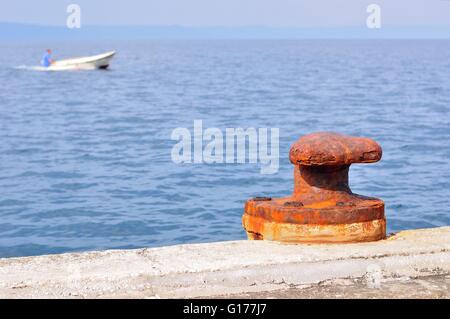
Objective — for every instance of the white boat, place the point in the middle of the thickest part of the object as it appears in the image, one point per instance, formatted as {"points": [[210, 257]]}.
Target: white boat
{"points": [[100, 61]]}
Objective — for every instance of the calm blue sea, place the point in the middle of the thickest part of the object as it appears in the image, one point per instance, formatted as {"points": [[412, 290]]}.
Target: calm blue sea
{"points": [[85, 156]]}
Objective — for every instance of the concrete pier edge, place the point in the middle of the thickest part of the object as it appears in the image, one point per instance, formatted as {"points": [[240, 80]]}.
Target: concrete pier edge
{"points": [[224, 268]]}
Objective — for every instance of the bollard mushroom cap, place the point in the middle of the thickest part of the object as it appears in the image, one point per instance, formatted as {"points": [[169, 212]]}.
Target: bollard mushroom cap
{"points": [[328, 148]]}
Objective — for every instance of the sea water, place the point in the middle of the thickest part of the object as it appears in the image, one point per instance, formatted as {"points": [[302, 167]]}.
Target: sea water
{"points": [[85, 157]]}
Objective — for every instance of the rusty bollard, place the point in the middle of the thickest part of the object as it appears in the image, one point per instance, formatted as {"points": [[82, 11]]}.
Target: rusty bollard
{"points": [[322, 208]]}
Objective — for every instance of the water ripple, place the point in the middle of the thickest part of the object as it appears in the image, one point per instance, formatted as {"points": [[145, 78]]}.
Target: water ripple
{"points": [[85, 156]]}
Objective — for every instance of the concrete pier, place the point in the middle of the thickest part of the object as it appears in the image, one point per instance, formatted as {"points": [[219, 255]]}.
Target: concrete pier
{"points": [[415, 258]]}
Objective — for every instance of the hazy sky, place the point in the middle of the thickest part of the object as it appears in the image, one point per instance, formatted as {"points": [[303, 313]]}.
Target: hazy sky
{"points": [[292, 13]]}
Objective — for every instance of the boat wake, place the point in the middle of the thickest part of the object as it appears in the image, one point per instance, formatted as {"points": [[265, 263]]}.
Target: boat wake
{"points": [[29, 68], [53, 69]]}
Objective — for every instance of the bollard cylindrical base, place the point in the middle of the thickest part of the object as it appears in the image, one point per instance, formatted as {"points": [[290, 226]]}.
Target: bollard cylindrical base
{"points": [[259, 229], [286, 220]]}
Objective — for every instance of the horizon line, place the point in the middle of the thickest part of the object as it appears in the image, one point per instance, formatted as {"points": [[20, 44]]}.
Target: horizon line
{"points": [[31, 24]]}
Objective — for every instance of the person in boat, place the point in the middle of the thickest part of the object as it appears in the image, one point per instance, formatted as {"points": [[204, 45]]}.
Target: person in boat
{"points": [[47, 59]]}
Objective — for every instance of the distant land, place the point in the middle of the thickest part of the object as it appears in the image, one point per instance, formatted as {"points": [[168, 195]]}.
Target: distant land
{"points": [[16, 31]]}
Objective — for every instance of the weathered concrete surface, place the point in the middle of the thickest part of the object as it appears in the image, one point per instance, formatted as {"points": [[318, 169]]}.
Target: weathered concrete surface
{"points": [[225, 268], [429, 287]]}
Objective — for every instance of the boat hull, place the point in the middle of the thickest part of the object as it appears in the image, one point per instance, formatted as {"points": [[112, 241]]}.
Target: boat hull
{"points": [[100, 61]]}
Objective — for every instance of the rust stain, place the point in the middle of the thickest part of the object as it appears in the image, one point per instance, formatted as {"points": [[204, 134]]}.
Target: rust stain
{"points": [[322, 207]]}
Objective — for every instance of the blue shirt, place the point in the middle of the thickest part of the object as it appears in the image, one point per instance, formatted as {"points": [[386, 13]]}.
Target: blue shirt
{"points": [[46, 60]]}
